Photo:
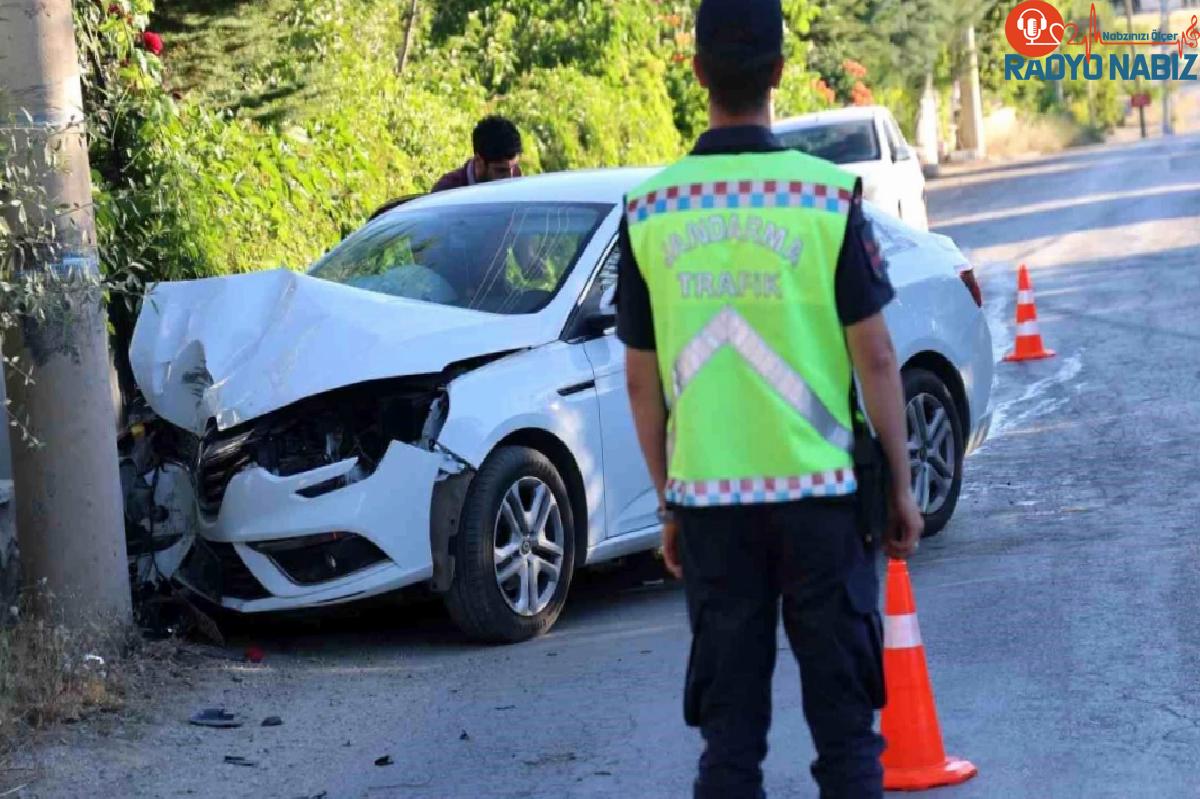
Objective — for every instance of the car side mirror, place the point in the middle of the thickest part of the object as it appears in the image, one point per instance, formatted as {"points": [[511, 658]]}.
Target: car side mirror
{"points": [[605, 315], [903, 153]]}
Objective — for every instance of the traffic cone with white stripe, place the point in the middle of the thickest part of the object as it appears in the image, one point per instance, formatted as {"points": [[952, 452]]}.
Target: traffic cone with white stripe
{"points": [[1029, 345], [914, 759]]}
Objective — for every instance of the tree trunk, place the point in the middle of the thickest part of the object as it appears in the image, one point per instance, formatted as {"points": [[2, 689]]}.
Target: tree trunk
{"points": [[408, 34]]}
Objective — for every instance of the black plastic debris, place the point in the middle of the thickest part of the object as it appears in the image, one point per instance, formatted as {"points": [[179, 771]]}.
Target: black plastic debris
{"points": [[464, 736], [216, 717], [238, 760], [386, 760], [272, 721], [552, 759]]}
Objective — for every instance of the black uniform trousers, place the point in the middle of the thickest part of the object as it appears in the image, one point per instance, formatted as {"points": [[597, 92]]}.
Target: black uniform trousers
{"points": [[739, 563]]}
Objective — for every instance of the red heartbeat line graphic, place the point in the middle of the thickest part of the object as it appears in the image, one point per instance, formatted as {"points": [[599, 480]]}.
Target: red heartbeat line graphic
{"points": [[1189, 38]]}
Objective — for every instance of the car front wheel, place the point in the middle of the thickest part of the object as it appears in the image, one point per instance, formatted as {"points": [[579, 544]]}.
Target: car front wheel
{"points": [[515, 549], [935, 447]]}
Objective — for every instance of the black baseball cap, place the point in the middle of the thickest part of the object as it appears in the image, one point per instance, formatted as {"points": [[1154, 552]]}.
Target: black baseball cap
{"points": [[745, 32]]}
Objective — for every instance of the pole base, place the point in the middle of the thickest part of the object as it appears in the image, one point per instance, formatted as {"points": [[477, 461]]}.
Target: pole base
{"points": [[952, 772]]}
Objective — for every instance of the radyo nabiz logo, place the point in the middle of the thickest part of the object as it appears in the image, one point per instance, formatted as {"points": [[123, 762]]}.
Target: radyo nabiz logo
{"points": [[1041, 38]]}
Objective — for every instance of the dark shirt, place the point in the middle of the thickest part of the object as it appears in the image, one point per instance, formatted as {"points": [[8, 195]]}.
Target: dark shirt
{"points": [[861, 283], [463, 176]]}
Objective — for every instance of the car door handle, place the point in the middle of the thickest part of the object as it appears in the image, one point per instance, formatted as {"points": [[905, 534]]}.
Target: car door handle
{"points": [[567, 391]]}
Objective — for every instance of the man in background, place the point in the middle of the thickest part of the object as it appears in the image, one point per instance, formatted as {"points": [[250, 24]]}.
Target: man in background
{"points": [[497, 156]]}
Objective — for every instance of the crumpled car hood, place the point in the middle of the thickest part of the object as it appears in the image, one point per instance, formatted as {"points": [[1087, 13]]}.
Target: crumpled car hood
{"points": [[231, 349]]}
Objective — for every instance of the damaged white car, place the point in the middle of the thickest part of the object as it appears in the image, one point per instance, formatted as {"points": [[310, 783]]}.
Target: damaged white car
{"points": [[441, 400]]}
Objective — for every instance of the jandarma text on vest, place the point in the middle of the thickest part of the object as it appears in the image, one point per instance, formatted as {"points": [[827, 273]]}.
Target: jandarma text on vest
{"points": [[720, 228]]}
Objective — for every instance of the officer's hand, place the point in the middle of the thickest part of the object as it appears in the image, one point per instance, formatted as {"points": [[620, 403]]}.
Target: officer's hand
{"points": [[905, 525], [670, 548]]}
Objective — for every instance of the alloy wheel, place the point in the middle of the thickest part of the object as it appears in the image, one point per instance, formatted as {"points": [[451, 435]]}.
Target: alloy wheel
{"points": [[931, 455], [528, 546]]}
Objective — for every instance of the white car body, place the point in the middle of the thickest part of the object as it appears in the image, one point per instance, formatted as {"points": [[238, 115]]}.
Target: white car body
{"points": [[889, 168], [213, 355]]}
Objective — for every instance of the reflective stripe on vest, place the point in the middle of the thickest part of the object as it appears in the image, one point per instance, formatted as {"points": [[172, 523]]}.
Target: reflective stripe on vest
{"points": [[725, 195], [728, 327], [753, 490]]}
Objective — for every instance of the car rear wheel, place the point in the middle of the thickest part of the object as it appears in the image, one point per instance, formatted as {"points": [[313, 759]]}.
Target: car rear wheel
{"points": [[515, 549], [935, 447]]}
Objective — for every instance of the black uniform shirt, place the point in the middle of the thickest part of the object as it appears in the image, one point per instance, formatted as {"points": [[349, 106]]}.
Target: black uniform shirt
{"points": [[862, 285]]}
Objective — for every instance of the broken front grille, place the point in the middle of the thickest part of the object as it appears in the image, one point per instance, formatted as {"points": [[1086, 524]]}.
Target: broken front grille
{"points": [[221, 456], [216, 570]]}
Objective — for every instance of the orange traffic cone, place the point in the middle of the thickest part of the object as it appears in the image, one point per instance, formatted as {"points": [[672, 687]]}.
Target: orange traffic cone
{"points": [[1029, 339], [914, 759]]}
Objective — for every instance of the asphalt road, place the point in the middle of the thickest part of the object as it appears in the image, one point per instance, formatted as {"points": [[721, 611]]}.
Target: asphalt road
{"points": [[1059, 609]]}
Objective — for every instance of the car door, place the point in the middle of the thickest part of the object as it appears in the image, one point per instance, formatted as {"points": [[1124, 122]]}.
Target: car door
{"points": [[630, 501], [890, 171], [907, 178]]}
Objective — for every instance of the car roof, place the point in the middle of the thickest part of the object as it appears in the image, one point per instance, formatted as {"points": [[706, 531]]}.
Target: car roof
{"points": [[583, 186], [857, 113]]}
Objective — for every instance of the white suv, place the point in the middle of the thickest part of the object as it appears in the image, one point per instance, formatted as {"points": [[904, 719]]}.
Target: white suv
{"points": [[866, 141]]}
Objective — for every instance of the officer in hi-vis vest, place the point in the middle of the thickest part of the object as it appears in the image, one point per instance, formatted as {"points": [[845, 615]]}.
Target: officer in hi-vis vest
{"points": [[749, 288]]}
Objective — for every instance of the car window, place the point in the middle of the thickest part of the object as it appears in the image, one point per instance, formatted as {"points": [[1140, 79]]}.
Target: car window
{"points": [[840, 142], [505, 258]]}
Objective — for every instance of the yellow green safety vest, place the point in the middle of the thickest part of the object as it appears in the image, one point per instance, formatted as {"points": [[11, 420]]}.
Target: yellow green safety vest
{"points": [[740, 253]]}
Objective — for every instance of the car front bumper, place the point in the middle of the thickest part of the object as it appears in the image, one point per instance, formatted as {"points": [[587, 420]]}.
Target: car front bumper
{"points": [[390, 509]]}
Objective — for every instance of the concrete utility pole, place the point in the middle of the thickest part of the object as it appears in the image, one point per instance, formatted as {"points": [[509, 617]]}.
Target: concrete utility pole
{"points": [[1138, 82], [927, 127], [70, 522], [971, 133], [1165, 25]]}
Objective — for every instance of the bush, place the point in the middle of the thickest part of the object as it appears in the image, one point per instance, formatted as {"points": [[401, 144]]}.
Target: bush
{"points": [[185, 190], [578, 121]]}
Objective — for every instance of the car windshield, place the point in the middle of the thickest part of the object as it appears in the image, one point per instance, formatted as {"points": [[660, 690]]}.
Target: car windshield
{"points": [[839, 142], [503, 258]]}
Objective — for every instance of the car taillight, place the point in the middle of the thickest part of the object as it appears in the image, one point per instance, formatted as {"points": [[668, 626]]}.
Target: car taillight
{"points": [[967, 275]]}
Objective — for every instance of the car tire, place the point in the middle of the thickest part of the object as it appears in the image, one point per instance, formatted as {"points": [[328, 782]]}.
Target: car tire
{"points": [[514, 554], [935, 447]]}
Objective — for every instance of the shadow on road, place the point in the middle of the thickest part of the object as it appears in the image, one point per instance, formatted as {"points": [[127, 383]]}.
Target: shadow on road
{"points": [[1068, 281], [418, 620]]}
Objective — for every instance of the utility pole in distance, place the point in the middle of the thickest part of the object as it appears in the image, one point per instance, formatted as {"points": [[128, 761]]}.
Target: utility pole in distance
{"points": [[1138, 82], [1165, 25], [70, 522]]}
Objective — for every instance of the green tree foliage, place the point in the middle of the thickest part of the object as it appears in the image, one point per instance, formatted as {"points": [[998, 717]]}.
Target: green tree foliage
{"points": [[897, 42], [290, 124]]}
